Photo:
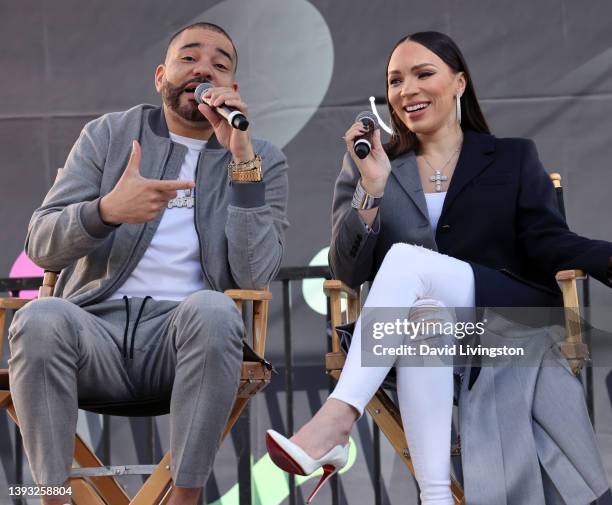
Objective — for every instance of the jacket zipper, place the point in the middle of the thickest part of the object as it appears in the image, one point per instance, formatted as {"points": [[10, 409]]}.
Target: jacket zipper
{"points": [[195, 221]]}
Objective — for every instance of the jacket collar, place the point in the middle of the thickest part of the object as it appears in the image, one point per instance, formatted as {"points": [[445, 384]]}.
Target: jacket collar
{"points": [[404, 169], [475, 156], [157, 123]]}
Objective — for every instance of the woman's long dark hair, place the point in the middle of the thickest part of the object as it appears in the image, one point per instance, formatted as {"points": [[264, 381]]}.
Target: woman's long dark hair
{"points": [[403, 140]]}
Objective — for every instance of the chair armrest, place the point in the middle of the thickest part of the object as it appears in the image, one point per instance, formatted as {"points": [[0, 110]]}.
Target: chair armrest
{"points": [[261, 299], [249, 294], [335, 290], [574, 349], [48, 285], [568, 275], [13, 303], [336, 285]]}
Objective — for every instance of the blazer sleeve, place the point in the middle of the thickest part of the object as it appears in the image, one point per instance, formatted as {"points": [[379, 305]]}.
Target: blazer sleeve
{"points": [[351, 253], [543, 232]]}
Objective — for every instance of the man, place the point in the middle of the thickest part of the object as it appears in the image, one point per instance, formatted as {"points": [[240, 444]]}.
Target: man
{"points": [[156, 212]]}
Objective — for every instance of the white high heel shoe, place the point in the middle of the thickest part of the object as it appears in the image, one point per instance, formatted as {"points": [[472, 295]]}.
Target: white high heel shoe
{"points": [[292, 459]]}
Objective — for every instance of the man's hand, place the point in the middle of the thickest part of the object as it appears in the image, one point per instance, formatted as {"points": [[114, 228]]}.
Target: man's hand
{"points": [[135, 199], [236, 141]]}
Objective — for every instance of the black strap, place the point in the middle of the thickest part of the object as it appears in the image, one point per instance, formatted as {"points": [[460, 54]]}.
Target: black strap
{"points": [[142, 305], [127, 324]]}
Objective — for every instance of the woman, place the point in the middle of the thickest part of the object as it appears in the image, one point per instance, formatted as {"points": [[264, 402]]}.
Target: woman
{"points": [[485, 213]]}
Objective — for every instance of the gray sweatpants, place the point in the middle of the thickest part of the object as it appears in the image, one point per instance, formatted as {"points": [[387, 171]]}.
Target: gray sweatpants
{"points": [[62, 354]]}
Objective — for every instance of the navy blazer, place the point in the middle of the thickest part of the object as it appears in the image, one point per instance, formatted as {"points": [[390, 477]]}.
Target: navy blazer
{"points": [[500, 214]]}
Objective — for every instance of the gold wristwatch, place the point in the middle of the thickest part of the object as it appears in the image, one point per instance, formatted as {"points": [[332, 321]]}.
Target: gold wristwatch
{"points": [[245, 171]]}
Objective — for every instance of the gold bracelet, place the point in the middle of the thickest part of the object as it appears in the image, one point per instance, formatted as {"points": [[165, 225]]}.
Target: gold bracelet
{"points": [[245, 171], [243, 166], [247, 176]]}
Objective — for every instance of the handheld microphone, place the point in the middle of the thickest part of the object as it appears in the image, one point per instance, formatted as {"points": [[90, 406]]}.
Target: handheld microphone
{"points": [[233, 116], [363, 144]]}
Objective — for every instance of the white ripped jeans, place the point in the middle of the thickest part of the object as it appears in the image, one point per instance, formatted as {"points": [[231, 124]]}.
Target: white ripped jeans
{"points": [[408, 274]]}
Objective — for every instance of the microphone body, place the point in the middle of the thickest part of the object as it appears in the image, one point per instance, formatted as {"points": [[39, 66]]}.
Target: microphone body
{"points": [[362, 145], [233, 116]]}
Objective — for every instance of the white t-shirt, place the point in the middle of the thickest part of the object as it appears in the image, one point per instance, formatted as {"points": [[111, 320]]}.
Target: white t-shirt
{"points": [[170, 268], [435, 201]]}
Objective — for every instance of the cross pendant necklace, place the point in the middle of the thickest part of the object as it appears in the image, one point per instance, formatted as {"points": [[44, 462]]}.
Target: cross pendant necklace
{"points": [[438, 177]]}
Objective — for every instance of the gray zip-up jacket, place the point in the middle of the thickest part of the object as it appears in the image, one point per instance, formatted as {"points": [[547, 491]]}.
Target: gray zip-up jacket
{"points": [[240, 226]]}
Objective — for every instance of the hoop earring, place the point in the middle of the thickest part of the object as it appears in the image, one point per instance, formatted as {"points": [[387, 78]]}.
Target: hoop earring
{"points": [[458, 107]]}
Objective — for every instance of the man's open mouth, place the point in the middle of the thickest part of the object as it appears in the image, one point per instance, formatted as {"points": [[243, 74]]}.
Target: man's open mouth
{"points": [[190, 88]]}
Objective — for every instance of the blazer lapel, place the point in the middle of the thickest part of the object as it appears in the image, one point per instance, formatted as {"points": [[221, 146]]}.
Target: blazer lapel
{"points": [[475, 156], [404, 169]]}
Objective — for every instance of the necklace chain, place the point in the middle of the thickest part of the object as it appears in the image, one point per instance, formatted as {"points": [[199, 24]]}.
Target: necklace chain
{"points": [[438, 177], [445, 164]]}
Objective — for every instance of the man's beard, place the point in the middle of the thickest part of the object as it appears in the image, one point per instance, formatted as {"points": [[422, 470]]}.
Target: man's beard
{"points": [[171, 96]]}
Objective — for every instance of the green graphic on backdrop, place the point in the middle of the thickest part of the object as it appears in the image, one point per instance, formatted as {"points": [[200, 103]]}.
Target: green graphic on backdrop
{"points": [[312, 289], [270, 485]]}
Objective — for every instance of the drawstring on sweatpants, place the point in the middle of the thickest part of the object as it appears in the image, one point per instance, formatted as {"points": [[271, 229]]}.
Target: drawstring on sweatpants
{"points": [[127, 325]]}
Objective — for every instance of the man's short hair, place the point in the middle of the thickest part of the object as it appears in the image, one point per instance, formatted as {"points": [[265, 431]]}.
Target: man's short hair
{"points": [[206, 26]]}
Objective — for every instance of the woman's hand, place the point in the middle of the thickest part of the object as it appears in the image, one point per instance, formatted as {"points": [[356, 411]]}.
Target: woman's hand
{"points": [[375, 167]]}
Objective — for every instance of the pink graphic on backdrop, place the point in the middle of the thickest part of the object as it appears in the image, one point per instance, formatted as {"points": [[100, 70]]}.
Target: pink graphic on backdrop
{"points": [[23, 267]]}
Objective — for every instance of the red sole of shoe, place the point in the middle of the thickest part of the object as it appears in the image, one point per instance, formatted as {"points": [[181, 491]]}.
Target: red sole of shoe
{"points": [[281, 458]]}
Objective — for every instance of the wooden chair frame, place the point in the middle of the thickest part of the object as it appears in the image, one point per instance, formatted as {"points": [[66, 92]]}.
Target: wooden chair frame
{"points": [[383, 410], [95, 483]]}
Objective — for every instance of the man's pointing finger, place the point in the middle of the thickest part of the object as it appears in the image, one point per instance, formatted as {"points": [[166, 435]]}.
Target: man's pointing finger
{"points": [[171, 185]]}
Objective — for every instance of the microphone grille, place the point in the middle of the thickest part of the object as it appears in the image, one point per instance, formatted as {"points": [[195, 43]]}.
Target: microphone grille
{"points": [[365, 117], [200, 90]]}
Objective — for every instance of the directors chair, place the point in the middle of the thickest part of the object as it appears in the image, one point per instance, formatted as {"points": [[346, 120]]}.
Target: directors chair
{"points": [[95, 484], [383, 410]]}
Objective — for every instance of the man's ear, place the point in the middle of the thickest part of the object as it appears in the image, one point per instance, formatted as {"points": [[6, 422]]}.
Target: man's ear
{"points": [[159, 77], [235, 87]]}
